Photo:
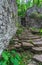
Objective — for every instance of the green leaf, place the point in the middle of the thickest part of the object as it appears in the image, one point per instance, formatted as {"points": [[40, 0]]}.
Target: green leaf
{"points": [[16, 62], [11, 58], [18, 57], [1, 62], [5, 56], [4, 63]]}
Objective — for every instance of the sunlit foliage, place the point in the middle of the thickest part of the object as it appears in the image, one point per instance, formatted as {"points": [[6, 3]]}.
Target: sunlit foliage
{"points": [[24, 4]]}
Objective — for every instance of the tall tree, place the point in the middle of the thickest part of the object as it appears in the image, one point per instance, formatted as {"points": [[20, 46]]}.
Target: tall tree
{"points": [[8, 19]]}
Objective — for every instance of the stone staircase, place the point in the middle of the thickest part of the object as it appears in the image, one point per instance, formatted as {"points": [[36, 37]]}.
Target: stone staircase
{"points": [[35, 44], [36, 48], [30, 41]]}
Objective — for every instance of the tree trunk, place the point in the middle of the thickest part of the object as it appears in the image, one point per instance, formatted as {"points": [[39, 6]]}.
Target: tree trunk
{"points": [[8, 19]]}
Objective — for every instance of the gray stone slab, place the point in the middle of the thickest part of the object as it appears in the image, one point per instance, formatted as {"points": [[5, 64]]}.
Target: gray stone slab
{"points": [[27, 44], [17, 45], [34, 37], [38, 57], [33, 63], [39, 43], [28, 37], [37, 49], [37, 40]]}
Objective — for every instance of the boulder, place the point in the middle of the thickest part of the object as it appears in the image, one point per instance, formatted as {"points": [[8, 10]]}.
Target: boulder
{"points": [[34, 17]]}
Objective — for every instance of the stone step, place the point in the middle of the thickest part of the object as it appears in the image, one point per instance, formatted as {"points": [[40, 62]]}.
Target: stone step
{"points": [[26, 32], [33, 63], [31, 36], [25, 40], [34, 37], [28, 40], [12, 46], [39, 43], [38, 58], [16, 39], [38, 49], [35, 31], [17, 45], [37, 40], [27, 37], [27, 44]]}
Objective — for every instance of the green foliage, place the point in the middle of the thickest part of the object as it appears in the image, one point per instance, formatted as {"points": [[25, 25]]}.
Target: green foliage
{"points": [[36, 2], [3, 63], [11, 58], [39, 30], [22, 5], [27, 56], [19, 31], [5, 55], [40, 3]]}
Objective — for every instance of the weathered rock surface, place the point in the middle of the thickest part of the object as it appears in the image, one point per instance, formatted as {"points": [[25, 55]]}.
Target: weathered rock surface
{"points": [[37, 40], [34, 21], [34, 37], [38, 49], [8, 18], [38, 58], [27, 44], [33, 63], [39, 43], [26, 35]]}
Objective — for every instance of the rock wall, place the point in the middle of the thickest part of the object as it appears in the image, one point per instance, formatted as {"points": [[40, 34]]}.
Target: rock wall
{"points": [[35, 21], [8, 19]]}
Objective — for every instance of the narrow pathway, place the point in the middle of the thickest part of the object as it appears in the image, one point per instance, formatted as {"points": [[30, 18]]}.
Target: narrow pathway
{"points": [[35, 42], [31, 41]]}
